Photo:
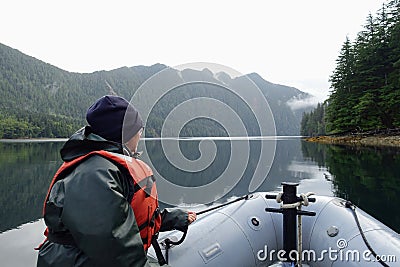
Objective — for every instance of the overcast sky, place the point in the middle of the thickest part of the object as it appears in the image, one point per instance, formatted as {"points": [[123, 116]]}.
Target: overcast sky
{"points": [[290, 42]]}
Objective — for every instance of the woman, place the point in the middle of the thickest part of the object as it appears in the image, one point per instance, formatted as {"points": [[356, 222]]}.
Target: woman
{"points": [[102, 206]]}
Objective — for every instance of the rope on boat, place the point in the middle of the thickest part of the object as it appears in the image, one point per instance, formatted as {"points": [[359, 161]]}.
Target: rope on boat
{"points": [[245, 197], [352, 207], [304, 202], [168, 242]]}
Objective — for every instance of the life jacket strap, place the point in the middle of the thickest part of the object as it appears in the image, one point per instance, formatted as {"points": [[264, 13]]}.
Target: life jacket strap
{"points": [[152, 220], [157, 250]]}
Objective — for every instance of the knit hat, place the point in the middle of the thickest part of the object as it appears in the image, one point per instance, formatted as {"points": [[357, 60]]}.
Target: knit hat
{"points": [[114, 118]]}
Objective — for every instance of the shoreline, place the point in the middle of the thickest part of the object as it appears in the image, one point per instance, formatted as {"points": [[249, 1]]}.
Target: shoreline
{"points": [[354, 140]]}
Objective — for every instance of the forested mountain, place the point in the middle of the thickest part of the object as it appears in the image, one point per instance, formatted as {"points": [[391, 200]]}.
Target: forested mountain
{"points": [[41, 100], [313, 123], [365, 84]]}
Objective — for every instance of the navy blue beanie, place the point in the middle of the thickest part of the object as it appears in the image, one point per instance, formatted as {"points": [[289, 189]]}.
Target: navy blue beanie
{"points": [[114, 118]]}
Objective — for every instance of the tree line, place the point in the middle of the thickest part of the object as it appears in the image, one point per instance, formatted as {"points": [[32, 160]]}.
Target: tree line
{"points": [[41, 100], [365, 84]]}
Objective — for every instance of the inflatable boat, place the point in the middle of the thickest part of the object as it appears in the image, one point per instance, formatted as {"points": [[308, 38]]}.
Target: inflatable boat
{"points": [[283, 229]]}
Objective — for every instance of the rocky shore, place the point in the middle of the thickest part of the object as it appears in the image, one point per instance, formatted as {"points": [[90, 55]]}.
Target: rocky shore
{"points": [[375, 140]]}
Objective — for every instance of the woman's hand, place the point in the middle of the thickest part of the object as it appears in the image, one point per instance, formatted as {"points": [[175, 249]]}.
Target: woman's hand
{"points": [[192, 216]]}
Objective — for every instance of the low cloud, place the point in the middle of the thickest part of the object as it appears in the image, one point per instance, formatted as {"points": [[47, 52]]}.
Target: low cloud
{"points": [[302, 103]]}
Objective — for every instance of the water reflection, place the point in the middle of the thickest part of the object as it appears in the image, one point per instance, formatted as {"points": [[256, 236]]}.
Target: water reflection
{"points": [[288, 165], [369, 177], [26, 171]]}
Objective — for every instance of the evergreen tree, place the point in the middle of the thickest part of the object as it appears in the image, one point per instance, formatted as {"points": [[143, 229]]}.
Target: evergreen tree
{"points": [[313, 123], [343, 97], [366, 81]]}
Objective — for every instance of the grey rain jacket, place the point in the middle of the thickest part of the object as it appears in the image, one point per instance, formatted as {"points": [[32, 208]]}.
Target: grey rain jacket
{"points": [[90, 205]]}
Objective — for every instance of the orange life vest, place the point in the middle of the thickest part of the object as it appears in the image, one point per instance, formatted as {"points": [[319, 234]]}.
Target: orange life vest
{"points": [[144, 201]]}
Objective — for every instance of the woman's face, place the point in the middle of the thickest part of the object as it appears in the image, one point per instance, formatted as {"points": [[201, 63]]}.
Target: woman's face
{"points": [[133, 143]]}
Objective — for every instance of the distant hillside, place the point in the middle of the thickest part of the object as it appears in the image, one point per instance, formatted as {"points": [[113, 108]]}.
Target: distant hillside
{"points": [[280, 98], [41, 100]]}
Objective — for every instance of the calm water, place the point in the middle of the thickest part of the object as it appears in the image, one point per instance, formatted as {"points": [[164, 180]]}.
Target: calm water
{"points": [[368, 177]]}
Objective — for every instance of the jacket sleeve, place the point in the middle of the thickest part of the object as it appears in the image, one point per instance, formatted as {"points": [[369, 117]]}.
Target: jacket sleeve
{"points": [[98, 216], [174, 219]]}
